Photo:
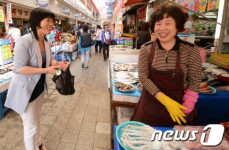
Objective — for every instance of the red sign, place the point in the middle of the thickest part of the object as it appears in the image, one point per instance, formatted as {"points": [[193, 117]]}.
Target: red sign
{"points": [[142, 13]]}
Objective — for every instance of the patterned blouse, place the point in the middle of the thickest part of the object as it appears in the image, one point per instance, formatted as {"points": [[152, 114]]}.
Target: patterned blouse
{"points": [[166, 60]]}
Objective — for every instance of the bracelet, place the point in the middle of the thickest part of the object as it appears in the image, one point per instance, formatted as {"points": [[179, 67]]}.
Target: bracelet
{"points": [[47, 70]]}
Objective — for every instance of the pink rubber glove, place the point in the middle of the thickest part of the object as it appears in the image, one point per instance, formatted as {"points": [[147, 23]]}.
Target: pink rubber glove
{"points": [[189, 101]]}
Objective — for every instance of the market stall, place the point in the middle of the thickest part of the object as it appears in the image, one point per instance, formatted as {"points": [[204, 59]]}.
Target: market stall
{"points": [[6, 75], [67, 44], [212, 106]]}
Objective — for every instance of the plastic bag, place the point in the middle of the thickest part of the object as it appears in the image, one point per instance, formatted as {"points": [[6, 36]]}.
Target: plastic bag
{"points": [[64, 82]]}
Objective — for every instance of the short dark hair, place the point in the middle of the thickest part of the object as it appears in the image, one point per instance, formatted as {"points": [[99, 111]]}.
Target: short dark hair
{"points": [[145, 26], [99, 27], [106, 25], [173, 11], [11, 25], [36, 16], [85, 28]]}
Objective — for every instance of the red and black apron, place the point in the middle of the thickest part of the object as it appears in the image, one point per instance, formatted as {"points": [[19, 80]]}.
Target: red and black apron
{"points": [[149, 110]]}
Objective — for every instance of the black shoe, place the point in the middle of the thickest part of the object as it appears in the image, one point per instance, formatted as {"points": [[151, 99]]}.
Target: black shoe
{"points": [[82, 65], [105, 59], [87, 67]]}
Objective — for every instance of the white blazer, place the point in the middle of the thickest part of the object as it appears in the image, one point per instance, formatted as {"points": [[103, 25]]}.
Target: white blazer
{"points": [[26, 53]]}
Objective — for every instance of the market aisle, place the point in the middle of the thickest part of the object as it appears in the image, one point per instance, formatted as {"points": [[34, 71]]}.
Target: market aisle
{"points": [[80, 121]]}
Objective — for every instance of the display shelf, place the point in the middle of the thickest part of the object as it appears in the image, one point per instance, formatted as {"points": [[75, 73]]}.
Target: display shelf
{"points": [[204, 37]]}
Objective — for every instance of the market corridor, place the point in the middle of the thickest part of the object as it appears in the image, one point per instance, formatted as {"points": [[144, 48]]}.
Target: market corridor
{"points": [[77, 122]]}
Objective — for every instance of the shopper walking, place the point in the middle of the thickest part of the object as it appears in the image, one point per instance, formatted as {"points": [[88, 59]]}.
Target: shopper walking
{"points": [[85, 42], [143, 35], [15, 33], [170, 71], [98, 39], [106, 41], [32, 61]]}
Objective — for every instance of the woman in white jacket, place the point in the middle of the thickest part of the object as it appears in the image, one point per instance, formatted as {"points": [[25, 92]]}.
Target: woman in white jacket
{"points": [[32, 61]]}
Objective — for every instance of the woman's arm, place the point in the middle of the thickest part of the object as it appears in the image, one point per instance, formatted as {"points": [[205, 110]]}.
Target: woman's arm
{"points": [[22, 57], [143, 70], [194, 70], [27, 70]]}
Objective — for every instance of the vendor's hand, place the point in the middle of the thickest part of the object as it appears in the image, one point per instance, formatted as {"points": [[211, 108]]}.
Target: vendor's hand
{"points": [[52, 69], [173, 107]]}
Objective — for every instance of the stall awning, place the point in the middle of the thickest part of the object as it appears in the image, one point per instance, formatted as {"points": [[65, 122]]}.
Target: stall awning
{"points": [[130, 2]]}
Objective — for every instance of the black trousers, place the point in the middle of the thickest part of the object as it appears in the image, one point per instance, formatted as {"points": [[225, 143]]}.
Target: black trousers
{"points": [[105, 51], [98, 43]]}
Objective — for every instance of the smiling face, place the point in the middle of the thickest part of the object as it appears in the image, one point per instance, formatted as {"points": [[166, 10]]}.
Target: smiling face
{"points": [[46, 26], [165, 29]]}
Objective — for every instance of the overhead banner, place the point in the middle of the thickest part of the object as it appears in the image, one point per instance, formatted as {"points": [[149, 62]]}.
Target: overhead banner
{"points": [[196, 6], [65, 11], [42, 3], [203, 5], [109, 11], [211, 4], [110, 2], [191, 7], [83, 17], [1, 14], [76, 15]]}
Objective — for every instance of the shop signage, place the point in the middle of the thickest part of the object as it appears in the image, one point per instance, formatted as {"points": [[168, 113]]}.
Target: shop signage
{"points": [[191, 7], [131, 19], [1, 14], [76, 15], [142, 13], [118, 29], [83, 17], [217, 4], [66, 11], [211, 4], [196, 6], [19, 13], [110, 2], [203, 5], [8, 11], [42, 3], [119, 17]]}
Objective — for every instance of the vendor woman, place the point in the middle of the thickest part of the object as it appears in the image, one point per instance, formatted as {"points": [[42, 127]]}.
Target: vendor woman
{"points": [[170, 71]]}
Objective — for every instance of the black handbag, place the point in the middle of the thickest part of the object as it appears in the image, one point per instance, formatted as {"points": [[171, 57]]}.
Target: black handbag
{"points": [[64, 82]]}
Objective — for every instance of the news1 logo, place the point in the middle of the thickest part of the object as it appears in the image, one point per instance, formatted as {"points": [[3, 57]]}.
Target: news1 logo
{"points": [[215, 136]]}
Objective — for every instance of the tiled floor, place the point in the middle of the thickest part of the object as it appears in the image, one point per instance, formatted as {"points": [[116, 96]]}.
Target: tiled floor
{"points": [[77, 122]]}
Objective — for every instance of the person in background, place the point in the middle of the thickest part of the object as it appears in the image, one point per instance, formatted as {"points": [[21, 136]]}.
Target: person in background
{"points": [[32, 62], [98, 39], [15, 33], [76, 30], [143, 36], [187, 25], [170, 72], [56, 34], [106, 36], [27, 30], [85, 45]]}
